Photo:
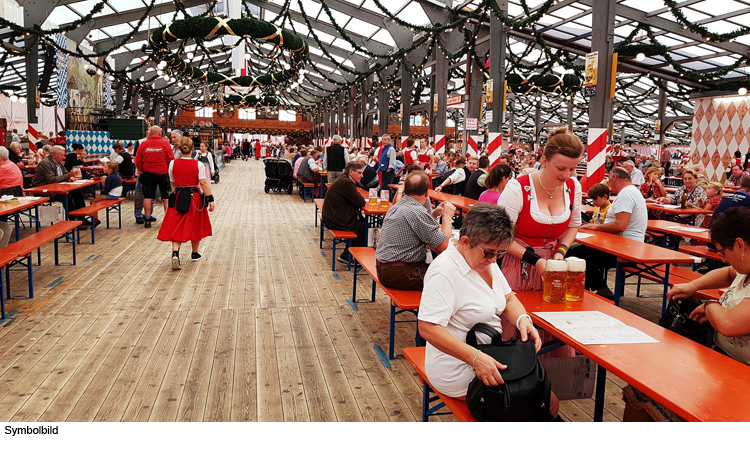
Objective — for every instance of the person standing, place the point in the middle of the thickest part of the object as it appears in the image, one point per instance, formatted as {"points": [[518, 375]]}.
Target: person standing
{"points": [[245, 149], [475, 185], [152, 161], [207, 158], [187, 216], [335, 159], [386, 162]]}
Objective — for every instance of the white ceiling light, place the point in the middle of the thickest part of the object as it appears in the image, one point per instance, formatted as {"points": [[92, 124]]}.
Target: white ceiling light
{"points": [[190, 55], [22, 100], [640, 56], [14, 98], [742, 90]]}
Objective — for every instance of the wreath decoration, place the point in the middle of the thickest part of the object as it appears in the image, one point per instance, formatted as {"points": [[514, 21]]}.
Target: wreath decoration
{"points": [[206, 28], [553, 84]]}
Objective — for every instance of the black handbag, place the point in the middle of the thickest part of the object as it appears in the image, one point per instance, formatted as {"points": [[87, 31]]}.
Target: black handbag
{"points": [[677, 318], [525, 394], [182, 198]]}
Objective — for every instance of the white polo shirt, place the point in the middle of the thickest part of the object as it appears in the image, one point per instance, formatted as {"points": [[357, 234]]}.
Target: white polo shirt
{"points": [[456, 297]]}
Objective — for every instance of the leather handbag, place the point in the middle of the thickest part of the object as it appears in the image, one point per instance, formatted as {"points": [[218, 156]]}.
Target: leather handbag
{"points": [[525, 394], [677, 318]]}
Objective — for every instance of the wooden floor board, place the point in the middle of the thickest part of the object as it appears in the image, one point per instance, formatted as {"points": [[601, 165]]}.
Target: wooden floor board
{"points": [[258, 330]]}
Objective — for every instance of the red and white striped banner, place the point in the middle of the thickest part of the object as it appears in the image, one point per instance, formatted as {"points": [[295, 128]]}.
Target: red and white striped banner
{"points": [[403, 141], [33, 138], [367, 142], [439, 143], [471, 147], [495, 148], [596, 157], [345, 142], [327, 143]]}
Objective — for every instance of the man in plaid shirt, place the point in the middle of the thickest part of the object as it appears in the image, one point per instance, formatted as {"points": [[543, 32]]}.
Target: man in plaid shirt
{"points": [[408, 230]]}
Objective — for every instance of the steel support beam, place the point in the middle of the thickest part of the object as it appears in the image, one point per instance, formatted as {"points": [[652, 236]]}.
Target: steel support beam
{"points": [[406, 87], [439, 90], [498, 44], [603, 20]]}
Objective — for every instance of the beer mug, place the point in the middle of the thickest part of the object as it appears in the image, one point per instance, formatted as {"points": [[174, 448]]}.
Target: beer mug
{"points": [[554, 281], [576, 279], [373, 198], [385, 196]]}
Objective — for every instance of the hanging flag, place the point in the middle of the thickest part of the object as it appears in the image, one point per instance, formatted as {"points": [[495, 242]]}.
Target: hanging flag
{"points": [[439, 143], [471, 148]]}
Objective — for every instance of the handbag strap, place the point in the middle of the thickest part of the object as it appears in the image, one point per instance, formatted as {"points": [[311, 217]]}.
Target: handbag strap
{"points": [[471, 337]]}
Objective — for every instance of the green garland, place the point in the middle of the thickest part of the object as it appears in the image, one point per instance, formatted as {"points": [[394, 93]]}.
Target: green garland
{"points": [[526, 84], [701, 29], [208, 27]]}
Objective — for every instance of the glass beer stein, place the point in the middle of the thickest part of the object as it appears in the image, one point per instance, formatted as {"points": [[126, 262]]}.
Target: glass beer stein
{"points": [[575, 280], [554, 281], [373, 198]]}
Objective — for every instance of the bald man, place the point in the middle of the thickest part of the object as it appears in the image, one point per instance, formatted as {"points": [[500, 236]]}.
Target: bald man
{"points": [[152, 162]]}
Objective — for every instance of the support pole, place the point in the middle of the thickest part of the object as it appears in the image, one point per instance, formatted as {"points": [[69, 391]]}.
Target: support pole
{"points": [[662, 111], [406, 87], [439, 89], [497, 68], [383, 97], [602, 41]]}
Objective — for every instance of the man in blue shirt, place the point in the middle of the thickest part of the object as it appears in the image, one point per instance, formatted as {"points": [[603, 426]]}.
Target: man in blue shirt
{"points": [[387, 162], [739, 198]]}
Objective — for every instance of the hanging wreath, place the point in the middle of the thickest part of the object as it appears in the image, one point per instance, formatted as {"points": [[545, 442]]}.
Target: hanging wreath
{"points": [[205, 28], [553, 84]]}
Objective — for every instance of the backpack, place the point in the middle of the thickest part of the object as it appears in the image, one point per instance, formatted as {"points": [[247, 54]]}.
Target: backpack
{"points": [[525, 395]]}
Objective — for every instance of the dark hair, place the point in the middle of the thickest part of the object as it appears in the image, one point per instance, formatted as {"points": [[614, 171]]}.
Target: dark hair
{"points": [[76, 146], [732, 224], [412, 167], [484, 162], [303, 152], [409, 142], [417, 183], [497, 174], [562, 141], [598, 190], [745, 183], [487, 223], [460, 160], [353, 165]]}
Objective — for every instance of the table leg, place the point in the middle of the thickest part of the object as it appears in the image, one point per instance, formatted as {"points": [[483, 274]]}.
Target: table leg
{"points": [[354, 283], [374, 285], [619, 280], [666, 288], [601, 381]]}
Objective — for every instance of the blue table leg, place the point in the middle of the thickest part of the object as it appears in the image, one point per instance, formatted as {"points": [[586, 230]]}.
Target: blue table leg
{"points": [[601, 381], [392, 332], [619, 280], [354, 283], [425, 401], [666, 288], [374, 285]]}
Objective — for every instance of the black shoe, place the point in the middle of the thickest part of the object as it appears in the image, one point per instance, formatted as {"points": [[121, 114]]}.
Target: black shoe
{"points": [[195, 256], [175, 261], [344, 258], [147, 224], [606, 292], [139, 220], [98, 222], [151, 219]]}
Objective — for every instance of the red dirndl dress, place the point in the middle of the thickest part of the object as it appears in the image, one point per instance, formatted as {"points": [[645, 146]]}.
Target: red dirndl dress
{"points": [[195, 224]]}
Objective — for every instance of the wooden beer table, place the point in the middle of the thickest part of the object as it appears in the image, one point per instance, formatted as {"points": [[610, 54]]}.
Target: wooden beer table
{"points": [[643, 257], [461, 203], [667, 228], [693, 381], [64, 189], [675, 213]]}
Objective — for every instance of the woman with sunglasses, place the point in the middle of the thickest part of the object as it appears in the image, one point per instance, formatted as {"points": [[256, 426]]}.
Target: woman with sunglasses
{"points": [[729, 316], [463, 287]]}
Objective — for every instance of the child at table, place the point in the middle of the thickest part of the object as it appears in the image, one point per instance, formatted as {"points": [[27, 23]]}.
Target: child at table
{"points": [[713, 191], [599, 195], [112, 187]]}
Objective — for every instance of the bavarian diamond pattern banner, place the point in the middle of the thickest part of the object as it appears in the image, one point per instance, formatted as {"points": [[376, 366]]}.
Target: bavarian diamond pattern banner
{"points": [[95, 142], [107, 92], [62, 72]]}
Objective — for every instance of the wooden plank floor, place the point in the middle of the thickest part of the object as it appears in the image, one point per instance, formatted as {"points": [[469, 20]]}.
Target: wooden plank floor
{"points": [[259, 330]]}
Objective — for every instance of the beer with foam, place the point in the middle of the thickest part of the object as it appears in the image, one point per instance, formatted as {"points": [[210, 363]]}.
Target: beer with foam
{"points": [[575, 280], [555, 275]]}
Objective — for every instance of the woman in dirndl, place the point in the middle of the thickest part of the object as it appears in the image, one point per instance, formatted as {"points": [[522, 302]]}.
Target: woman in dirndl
{"points": [[186, 175], [545, 207]]}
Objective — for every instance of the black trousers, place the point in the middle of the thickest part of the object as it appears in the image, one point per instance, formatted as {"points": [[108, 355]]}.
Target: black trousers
{"points": [[597, 263]]}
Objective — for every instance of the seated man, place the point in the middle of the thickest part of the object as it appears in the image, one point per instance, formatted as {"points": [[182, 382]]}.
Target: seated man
{"points": [[457, 178], [308, 171], [341, 210], [635, 175], [50, 170], [626, 217], [408, 229], [369, 176], [739, 198]]}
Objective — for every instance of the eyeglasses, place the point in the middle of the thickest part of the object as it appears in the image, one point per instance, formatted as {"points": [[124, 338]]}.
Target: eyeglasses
{"points": [[359, 172], [492, 255], [721, 252]]}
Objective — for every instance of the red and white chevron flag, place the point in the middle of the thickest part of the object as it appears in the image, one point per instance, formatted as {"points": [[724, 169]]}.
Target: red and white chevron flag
{"points": [[597, 153], [33, 138], [471, 148], [368, 142], [439, 143], [495, 148], [344, 143], [403, 141], [327, 143]]}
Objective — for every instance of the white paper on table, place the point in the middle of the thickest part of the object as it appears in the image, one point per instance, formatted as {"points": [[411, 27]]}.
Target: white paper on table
{"points": [[28, 198], [670, 206], [67, 182], [580, 235], [690, 229], [595, 327]]}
